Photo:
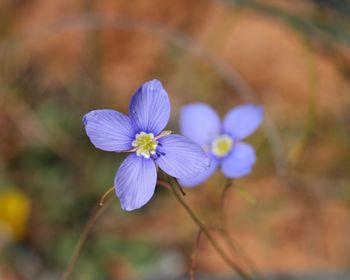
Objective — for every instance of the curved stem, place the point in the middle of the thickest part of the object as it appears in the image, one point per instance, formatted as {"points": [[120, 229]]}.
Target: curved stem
{"points": [[194, 254], [83, 237], [226, 234], [103, 197], [173, 184]]}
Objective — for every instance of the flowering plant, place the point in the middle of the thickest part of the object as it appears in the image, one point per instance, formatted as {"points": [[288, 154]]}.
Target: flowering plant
{"points": [[223, 141], [141, 134]]}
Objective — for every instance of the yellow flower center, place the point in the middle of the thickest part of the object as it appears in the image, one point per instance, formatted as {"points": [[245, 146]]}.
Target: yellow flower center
{"points": [[222, 145], [145, 144]]}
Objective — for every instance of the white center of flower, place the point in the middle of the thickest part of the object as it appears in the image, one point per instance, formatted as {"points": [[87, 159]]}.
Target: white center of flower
{"points": [[145, 144], [222, 145]]}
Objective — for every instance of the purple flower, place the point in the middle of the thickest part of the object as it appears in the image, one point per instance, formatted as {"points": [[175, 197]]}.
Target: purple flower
{"points": [[141, 133], [221, 140]]}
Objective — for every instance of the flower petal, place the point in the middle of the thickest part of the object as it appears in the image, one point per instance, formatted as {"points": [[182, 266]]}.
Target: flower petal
{"points": [[181, 157], [199, 122], [149, 107], [239, 162], [109, 130], [243, 120], [202, 177], [135, 181]]}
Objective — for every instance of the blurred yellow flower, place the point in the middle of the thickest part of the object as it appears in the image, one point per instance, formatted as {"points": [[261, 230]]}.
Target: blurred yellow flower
{"points": [[14, 213]]}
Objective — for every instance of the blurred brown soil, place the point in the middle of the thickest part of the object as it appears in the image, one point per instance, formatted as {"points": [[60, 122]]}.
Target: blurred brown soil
{"points": [[281, 232]]}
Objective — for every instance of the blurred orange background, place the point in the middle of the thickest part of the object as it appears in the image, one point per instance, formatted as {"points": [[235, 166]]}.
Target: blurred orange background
{"points": [[61, 59]]}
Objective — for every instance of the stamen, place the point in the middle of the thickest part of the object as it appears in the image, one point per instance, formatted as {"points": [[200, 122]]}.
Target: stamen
{"points": [[145, 144], [222, 145], [159, 154], [163, 133]]}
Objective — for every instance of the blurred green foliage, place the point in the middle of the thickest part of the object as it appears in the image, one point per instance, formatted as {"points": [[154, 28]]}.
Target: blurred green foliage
{"points": [[46, 154]]}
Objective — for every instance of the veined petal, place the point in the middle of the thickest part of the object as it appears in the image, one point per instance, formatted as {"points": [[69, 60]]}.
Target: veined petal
{"points": [[202, 177], [239, 162], [181, 157], [199, 122], [135, 181], [109, 130], [243, 120], [149, 107]]}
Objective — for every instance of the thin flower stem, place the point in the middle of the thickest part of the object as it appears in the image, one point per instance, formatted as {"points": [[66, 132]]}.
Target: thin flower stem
{"points": [[194, 254], [173, 184], [84, 236], [225, 190], [103, 197], [225, 231], [181, 190], [233, 245], [164, 184]]}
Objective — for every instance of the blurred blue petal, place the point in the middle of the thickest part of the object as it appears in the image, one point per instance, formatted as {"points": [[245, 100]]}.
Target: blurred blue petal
{"points": [[202, 177], [109, 130], [149, 108], [199, 122], [243, 120], [135, 181], [180, 157], [239, 162]]}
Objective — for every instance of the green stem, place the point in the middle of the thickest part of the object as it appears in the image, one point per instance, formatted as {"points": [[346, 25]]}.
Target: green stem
{"points": [[174, 184]]}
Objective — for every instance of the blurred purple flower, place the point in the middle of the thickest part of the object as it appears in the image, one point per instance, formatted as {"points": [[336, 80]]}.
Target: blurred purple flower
{"points": [[141, 133], [222, 141]]}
